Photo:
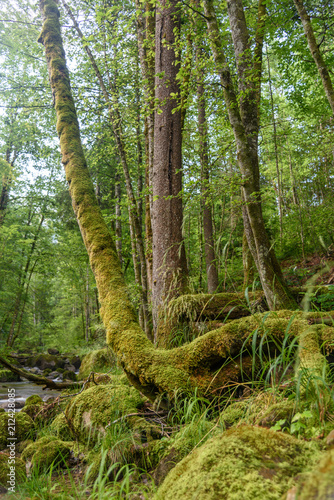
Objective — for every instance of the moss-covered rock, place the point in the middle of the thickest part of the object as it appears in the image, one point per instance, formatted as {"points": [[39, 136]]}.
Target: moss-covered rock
{"points": [[60, 428], [33, 406], [34, 400], [45, 452], [23, 445], [75, 361], [319, 484], [69, 375], [32, 410], [167, 453], [234, 413], [262, 409], [11, 470], [22, 428], [8, 376], [282, 410], [91, 411], [244, 462], [44, 361], [100, 360]]}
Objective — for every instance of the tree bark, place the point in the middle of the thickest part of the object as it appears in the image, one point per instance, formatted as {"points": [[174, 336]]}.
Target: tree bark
{"points": [[243, 117], [314, 49], [145, 22], [279, 184], [209, 249], [169, 260], [118, 220]]}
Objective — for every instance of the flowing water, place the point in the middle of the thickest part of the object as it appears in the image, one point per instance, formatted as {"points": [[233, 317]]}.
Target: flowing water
{"points": [[23, 390]]}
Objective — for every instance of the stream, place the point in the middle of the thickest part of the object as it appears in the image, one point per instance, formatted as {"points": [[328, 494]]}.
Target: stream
{"points": [[23, 390]]}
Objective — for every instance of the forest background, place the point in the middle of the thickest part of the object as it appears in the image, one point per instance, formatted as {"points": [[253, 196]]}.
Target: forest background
{"points": [[48, 296]]}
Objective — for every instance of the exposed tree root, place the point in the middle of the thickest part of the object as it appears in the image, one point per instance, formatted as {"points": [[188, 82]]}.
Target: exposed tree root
{"points": [[215, 360], [227, 305]]}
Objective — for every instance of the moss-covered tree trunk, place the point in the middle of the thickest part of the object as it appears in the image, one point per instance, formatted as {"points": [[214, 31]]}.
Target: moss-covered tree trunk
{"points": [[244, 119]]}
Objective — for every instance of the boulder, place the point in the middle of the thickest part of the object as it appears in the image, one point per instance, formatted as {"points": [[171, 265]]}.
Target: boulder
{"points": [[319, 484], [8, 376], [53, 351], [18, 469], [92, 410], [69, 368], [45, 452], [24, 426], [59, 427], [76, 362], [247, 462], [101, 360], [34, 400], [44, 361], [69, 375]]}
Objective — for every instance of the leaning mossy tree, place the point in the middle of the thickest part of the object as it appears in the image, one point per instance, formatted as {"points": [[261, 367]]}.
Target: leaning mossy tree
{"points": [[212, 361]]}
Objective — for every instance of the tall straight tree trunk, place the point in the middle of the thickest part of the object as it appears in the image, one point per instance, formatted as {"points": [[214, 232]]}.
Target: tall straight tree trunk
{"points": [[209, 249], [23, 280], [243, 116], [316, 54], [279, 184], [169, 259], [145, 22], [118, 220]]}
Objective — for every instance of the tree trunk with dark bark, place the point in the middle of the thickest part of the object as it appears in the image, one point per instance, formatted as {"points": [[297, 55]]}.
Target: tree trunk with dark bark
{"points": [[169, 260], [243, 116], [209, 245]]}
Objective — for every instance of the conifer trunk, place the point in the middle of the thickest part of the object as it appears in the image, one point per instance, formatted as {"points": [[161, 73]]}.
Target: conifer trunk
{"points": [[169, 260]]}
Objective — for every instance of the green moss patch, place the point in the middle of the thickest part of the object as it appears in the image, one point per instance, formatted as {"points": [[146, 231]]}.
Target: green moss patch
{"points": [[34, 400], [100, 360], [60, 427], [319, 484], [8, 376], [10, 469], [91, 411], [45, 452], [244, 462], [22, 428]]}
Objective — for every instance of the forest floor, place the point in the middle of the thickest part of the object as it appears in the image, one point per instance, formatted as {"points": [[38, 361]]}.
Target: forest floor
{"points": [[315, 269], [265, 418]]}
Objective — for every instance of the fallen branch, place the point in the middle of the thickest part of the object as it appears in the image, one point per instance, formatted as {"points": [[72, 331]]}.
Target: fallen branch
{"points": [[50, 384]]}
